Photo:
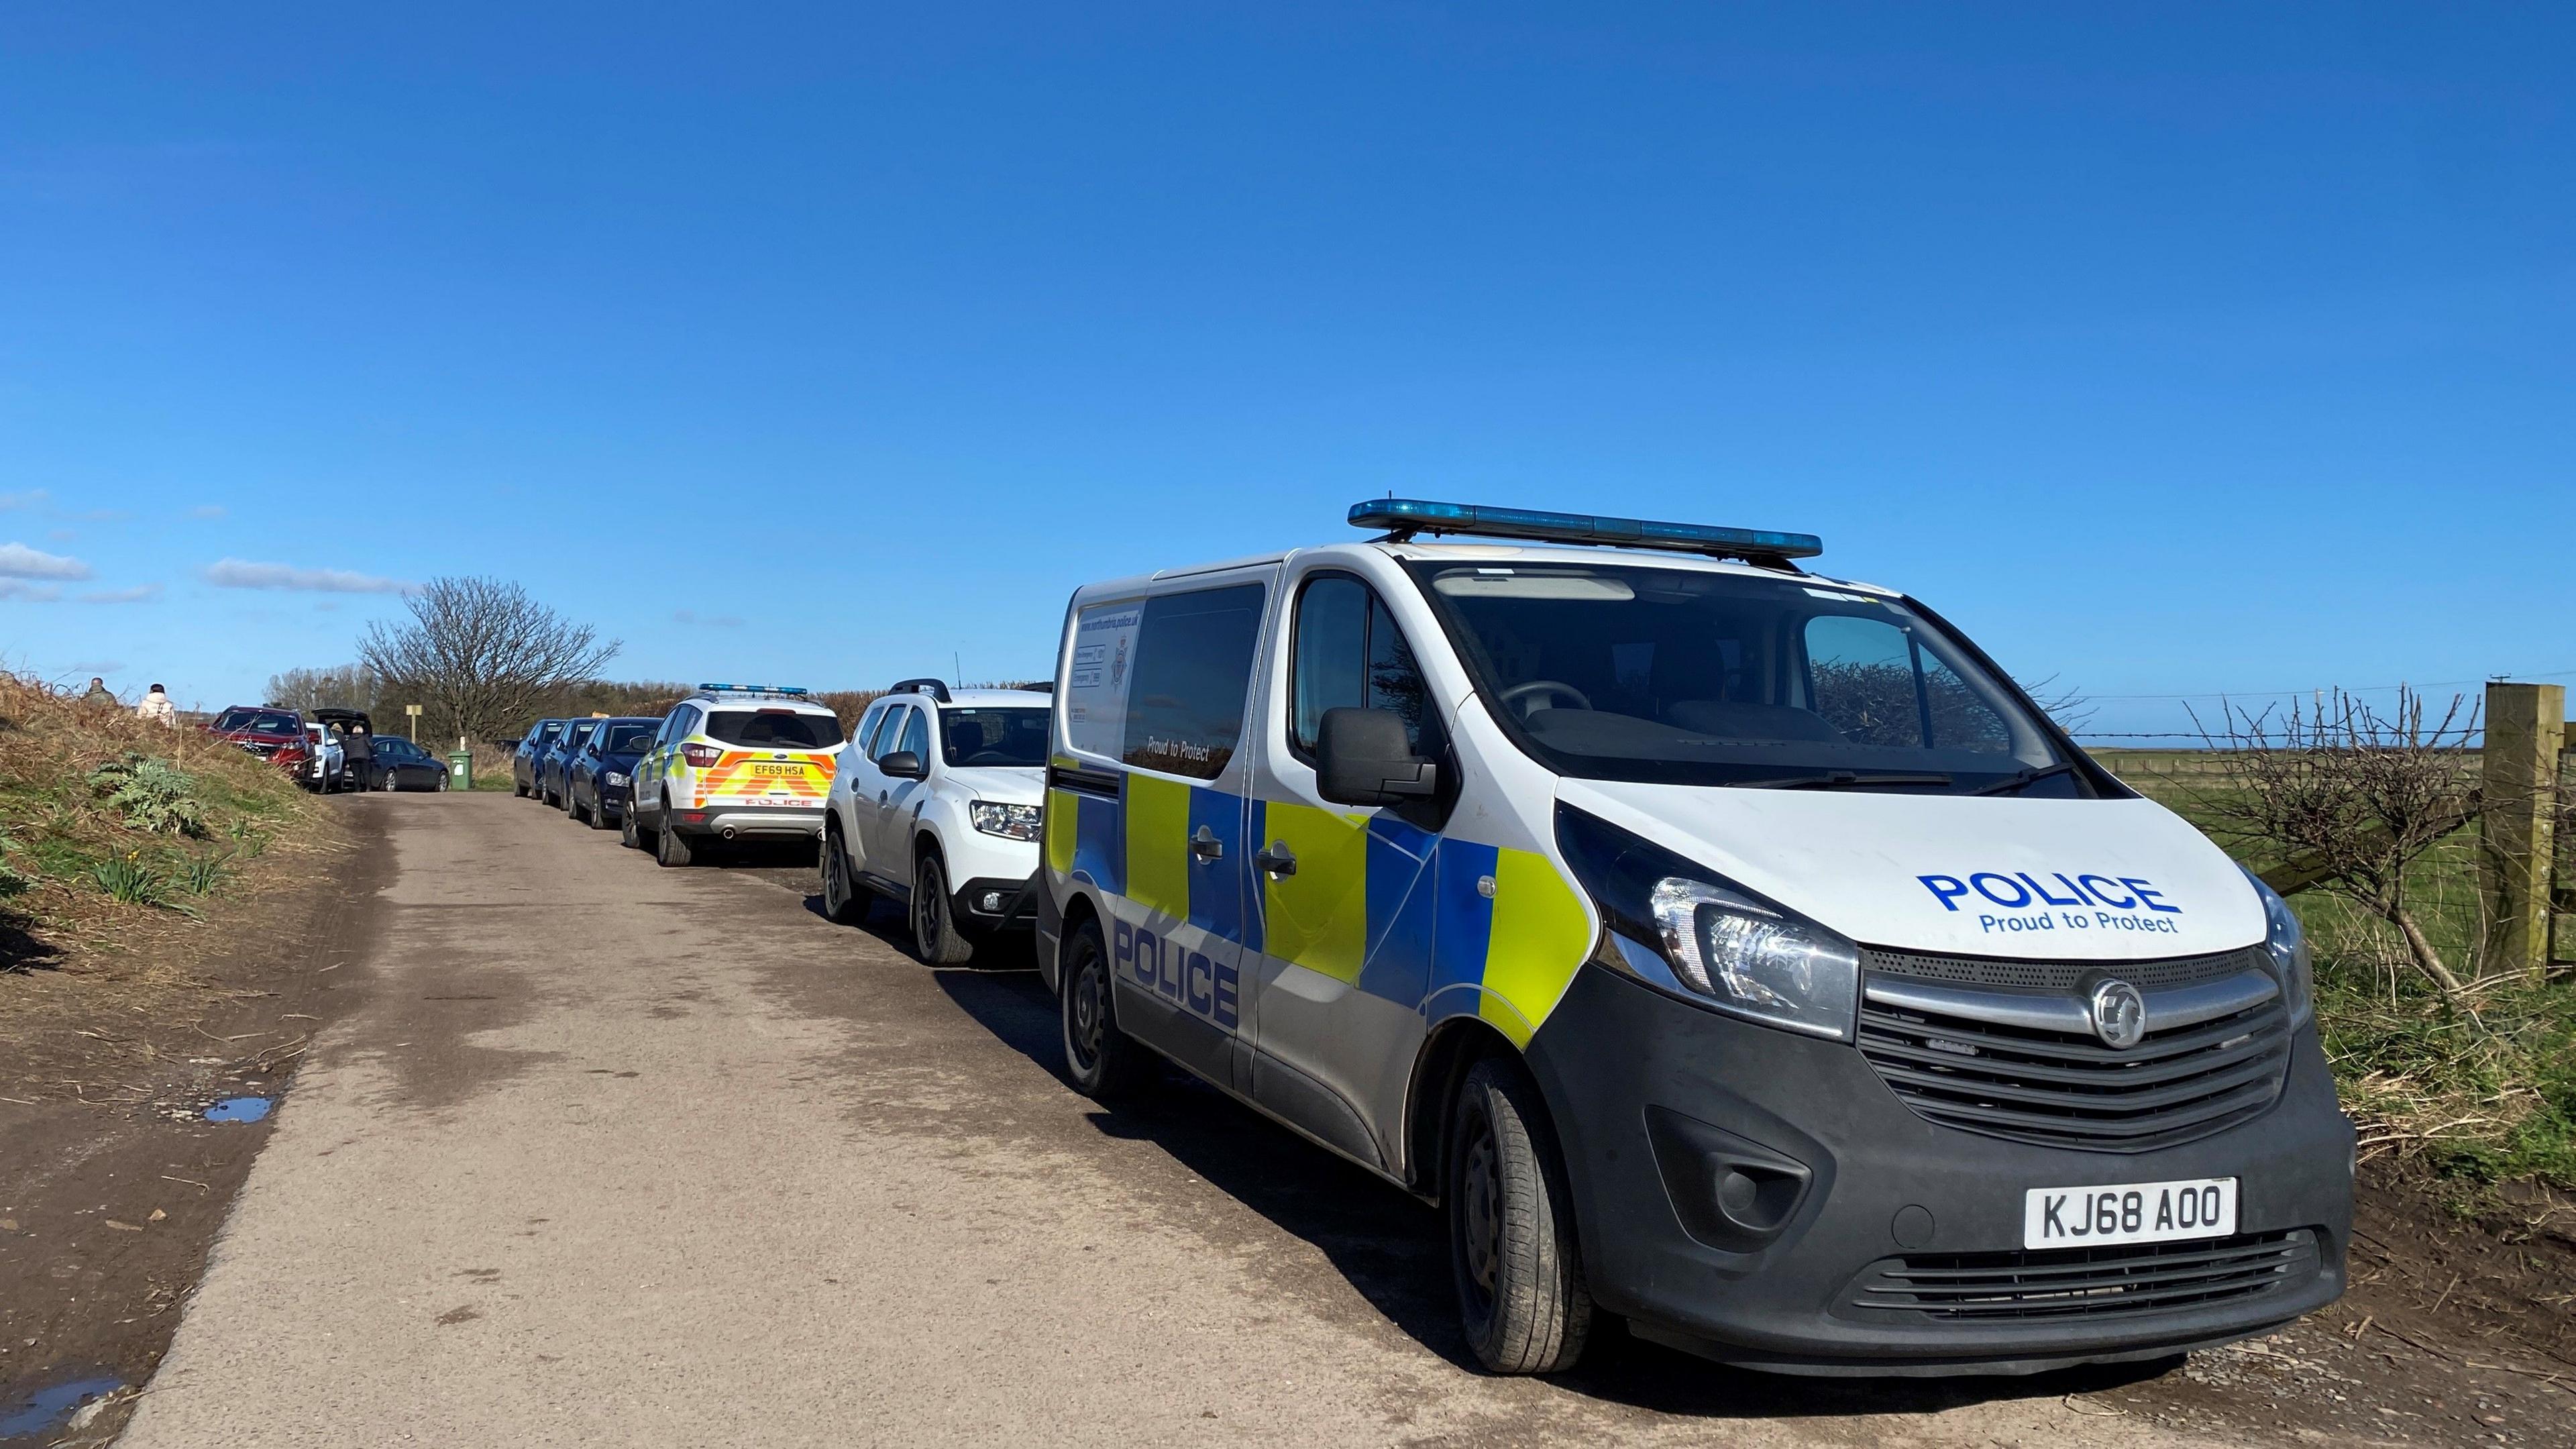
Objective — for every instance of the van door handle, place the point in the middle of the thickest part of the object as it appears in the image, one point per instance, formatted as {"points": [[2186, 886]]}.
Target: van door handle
{"points": [[1277, 860], [1206, 846]]}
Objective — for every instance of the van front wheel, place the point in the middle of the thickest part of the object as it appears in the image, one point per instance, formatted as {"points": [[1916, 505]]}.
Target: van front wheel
{"points": [[1103, 1061], [1511, 1228]]}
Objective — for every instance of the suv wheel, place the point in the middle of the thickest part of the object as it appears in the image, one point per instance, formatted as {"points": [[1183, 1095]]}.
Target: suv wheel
{"points": [[842, 902], [669, 847], [1103, 1061], [935, 937], [1511, 1228]]}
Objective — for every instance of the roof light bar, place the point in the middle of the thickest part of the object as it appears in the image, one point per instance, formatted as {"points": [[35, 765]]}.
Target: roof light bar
{"points": [[790, 690], [1404, 517]]}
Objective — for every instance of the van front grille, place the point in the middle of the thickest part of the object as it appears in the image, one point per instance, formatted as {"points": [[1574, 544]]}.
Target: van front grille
{"points": [[2061, 1283], [2065, 1089]]}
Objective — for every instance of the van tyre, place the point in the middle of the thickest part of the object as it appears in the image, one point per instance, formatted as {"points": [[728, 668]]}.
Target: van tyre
{"points": [[670, 847], [1103, 1061], [935, 937], [842, 903], [1512, 1248]]}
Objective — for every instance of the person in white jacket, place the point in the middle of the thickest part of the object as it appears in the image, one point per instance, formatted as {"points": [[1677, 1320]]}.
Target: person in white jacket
{"points": [[156, 707]]}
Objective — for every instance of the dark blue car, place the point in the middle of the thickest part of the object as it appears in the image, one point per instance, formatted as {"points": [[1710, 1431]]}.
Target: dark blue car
{"points": [[600, 784], [525, 778], [554, 762]]}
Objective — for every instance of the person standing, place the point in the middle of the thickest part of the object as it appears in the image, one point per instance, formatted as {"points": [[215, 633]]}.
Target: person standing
{"points": [[156, 708], [100, 695]]}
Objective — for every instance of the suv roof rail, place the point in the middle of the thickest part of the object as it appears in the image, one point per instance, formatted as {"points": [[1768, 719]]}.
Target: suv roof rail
{"points": [[1402, 518], [936, 689]]}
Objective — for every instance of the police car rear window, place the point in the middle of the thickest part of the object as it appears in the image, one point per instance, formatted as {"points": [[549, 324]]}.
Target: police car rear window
{"points": [[773, 728]]}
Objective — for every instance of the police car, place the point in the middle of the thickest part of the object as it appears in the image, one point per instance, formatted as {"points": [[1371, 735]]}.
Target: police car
{"points": [[1721, 945], [734, 762]]}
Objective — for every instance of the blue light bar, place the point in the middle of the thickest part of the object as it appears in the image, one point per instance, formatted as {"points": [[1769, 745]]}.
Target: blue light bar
{"points": [[786, 689], [1404, 517]]}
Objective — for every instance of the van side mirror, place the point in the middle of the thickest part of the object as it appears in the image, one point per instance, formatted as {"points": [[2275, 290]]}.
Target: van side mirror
{"points": [[903, 765], [1363, 758]]}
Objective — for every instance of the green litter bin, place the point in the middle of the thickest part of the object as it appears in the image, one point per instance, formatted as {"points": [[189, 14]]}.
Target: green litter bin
{"points": [[460, 770]]}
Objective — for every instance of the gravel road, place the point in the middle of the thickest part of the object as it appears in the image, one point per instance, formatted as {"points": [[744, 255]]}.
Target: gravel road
{"points": [[612, 1154]]}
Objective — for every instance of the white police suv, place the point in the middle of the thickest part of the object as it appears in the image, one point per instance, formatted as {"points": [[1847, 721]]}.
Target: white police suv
{"points": [[935, 805], [1724, 946], [733, 762]]}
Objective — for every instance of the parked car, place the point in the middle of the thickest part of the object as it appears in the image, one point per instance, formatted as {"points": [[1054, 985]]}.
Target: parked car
{"points": [[734, 761], [357, 743], [554, 765], [275, 735], [599, 783], [935, 805], [403, 765], [328, 772], [1726, 947], [524, 777]]}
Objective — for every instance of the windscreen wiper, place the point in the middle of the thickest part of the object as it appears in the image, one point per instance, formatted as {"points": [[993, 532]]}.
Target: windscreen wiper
{"points": [[1840, 780], [2027, 777]]}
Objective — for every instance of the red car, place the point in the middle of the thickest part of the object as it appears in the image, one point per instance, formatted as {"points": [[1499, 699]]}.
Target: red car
{"points": [[275, 735]]}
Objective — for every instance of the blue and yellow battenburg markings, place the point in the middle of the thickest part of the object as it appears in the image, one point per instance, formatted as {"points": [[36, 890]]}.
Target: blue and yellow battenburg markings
{"points": [[1396, 911]]}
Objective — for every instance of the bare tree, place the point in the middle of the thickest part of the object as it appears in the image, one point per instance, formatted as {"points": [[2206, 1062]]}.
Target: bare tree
{"points": [[2353, 797], [2064, 703], [482, 655]]}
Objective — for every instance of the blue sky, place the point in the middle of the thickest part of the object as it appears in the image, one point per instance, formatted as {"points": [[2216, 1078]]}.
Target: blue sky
{"points": [[2172, 351]]}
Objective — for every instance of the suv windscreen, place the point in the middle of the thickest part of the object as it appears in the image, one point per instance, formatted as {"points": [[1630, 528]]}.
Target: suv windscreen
{"points": [[1686, 677], [993, 736], [256, 721], [783, 729]]}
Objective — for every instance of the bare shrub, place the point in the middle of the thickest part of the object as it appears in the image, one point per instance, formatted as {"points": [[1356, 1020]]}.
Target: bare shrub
{"points": [[2352, 798]]}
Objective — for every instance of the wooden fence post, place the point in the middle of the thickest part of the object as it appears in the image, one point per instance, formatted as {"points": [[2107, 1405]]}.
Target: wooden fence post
{"points": [[2526, 729]]}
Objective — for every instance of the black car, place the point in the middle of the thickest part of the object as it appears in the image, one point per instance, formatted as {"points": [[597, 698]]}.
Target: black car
{"points": [[554, 760], [525, 779], [402, 765], [600, 780]]}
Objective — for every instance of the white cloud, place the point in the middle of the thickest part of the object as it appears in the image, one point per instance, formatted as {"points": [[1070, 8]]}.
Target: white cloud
{"points": [[140, 593], [32, 498], [17, 561], [233, 573], [207, 510], [29, 593]]}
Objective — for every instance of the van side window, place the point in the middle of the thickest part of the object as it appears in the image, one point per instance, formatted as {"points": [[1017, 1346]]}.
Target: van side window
{"points": [[1872, 682], [1349, 654], [1193, 668]]}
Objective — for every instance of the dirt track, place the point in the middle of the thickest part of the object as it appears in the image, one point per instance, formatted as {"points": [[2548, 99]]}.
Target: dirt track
{"points": [[619, 1155]]}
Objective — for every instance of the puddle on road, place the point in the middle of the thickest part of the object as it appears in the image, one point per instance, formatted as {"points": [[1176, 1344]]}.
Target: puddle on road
{"points": [[26, 1413], [238, 1109]]}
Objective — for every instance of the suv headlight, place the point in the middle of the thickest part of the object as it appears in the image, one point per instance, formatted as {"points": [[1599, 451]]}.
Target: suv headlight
{"points": [[1683, 928], [1015, 822], [2289, 947]]}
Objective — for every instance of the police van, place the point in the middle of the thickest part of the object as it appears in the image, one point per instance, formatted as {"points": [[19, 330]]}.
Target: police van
{"points": [[1722, 946], [734, 762]]}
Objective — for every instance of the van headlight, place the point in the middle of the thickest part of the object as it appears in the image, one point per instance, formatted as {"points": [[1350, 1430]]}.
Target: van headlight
{"points": [[2289, 948], [1013, 822], [1682, 928]]}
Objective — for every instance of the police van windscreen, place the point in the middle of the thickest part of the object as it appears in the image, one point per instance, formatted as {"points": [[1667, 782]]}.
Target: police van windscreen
{"points": [[775, 729], [1689, 677], [993, 736]]}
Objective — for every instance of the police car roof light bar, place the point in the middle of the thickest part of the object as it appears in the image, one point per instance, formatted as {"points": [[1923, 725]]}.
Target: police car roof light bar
{"points": [[789, 690], [1402, 518], [936, 689]]}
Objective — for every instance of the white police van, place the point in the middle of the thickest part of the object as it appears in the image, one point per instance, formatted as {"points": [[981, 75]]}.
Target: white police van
{"points": [[1723, 946]]}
